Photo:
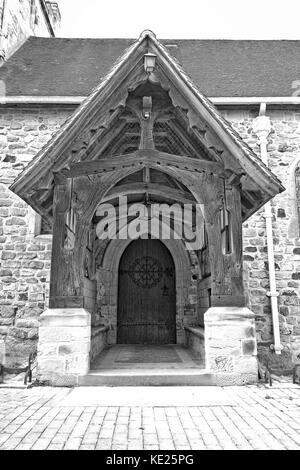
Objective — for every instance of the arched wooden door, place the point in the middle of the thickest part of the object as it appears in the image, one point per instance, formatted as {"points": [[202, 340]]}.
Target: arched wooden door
{"points": [[146, 297]]}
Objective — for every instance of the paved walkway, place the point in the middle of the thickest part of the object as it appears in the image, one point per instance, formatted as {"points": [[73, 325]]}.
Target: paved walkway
{"points": [[249, 417]]}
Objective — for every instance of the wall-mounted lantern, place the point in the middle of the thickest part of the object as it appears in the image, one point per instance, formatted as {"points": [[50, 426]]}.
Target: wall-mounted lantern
{"points": [[149, 62]]}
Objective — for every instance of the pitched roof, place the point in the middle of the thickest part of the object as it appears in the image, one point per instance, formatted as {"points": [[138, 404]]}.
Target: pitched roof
{"points": [[219, 68]]}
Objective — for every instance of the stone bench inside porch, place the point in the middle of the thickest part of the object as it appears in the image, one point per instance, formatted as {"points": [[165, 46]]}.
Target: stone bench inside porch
{"points": [[194, 340]]}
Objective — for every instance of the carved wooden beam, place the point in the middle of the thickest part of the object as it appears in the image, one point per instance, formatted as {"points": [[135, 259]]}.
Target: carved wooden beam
{"points": [[152, 188], [142, 158]]}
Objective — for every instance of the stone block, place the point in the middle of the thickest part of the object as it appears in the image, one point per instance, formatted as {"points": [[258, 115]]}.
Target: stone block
{"points": [[15, 221], [33, 333], [21, 333], [243, 365], [77, 364], [48, 349], [228, 314], [64, 341], [248, 347], [227, 330], [224, 343], [3, 330], [229, 338], [48, 365], [61, 334], [6, 321], [8, 255], [65, 317], [6, 311], [80, 347], [27, 323]]}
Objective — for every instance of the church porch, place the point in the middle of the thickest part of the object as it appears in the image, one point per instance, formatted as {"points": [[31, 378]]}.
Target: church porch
{"points": [[148, 135]]}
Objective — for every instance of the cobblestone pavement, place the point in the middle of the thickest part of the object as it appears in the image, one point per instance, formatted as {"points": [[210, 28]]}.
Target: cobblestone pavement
{"points": [[255, 417]]}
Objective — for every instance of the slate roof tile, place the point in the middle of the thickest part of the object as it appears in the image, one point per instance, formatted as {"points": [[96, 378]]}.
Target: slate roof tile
{"points": [[73, 67]]}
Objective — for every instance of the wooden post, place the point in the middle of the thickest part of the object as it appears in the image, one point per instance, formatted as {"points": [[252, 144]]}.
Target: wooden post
{"points": [[233, 205], [63, 291], [219, 286], [226, 268]]}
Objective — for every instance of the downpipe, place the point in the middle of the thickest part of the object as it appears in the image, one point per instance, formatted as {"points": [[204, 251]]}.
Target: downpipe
{"points": [[262, 128]]}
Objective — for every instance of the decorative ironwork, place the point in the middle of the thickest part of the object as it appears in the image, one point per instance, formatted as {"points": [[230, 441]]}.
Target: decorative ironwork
{"points": [[145, 272]]}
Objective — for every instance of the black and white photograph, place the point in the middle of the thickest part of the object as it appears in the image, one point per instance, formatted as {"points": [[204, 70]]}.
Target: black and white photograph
{"points": [[149, 228]]}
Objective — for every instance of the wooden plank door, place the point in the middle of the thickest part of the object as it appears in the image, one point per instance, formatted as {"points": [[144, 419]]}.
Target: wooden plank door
{"points": [[146, 295]]}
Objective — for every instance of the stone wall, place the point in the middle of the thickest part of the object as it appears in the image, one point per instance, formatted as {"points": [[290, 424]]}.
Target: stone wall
{"points": [[25, 258]]}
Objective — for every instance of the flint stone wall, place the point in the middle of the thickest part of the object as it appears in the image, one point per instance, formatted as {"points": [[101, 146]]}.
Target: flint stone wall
{"points": [[25, 257]]}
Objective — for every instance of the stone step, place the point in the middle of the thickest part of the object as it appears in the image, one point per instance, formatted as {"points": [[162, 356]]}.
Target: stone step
{"points": [[150, 377]]}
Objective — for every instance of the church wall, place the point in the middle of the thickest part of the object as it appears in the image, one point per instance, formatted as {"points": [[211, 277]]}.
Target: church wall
{"points": [[25, 257], [284, 154]]}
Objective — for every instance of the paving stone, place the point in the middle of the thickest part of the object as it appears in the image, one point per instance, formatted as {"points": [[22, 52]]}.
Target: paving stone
{"points": [[253, 422], [103, 444]]}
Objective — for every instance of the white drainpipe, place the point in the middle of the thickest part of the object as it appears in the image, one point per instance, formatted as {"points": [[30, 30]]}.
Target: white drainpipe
{"points": [[262, 128]]}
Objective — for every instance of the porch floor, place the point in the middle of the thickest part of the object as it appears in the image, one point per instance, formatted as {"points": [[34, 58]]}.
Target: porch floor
{"points": [[140, 356]]}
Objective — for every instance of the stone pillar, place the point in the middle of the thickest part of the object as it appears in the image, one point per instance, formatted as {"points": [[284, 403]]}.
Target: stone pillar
{"points": [[230, 345], [64, 346]]}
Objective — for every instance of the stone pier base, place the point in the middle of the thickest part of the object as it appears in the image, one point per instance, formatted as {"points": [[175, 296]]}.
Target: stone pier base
{"points": [[230, 345], [64, 346]]}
